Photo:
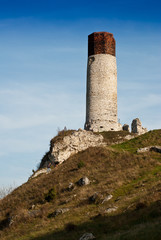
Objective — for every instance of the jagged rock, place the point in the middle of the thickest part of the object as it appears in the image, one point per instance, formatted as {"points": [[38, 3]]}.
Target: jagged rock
{"points": [[111, 209], [125, 127], [34, 213], [70, 187], [83, 181], [87, 236], [37, 173], [145, 149], [150, 148], [59, 211], [95, 198], [137, 128], [75, 142], [107, 198], [156, 149], [11, 221]]}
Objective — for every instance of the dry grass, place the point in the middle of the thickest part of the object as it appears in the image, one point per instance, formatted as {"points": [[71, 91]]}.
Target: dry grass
{"points": [[60, 136], [113, 137], [150, 138], [132, 179]]}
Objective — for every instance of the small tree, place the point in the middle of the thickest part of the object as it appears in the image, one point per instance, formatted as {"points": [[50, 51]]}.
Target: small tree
{"points": [[50, 195]]}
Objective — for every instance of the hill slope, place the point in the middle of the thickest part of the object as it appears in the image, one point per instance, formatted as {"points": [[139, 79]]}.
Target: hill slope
{"points": [[122, 201]]}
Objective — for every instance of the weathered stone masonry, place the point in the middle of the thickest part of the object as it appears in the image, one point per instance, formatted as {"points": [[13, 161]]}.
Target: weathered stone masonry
{"points": [[101, 97]]}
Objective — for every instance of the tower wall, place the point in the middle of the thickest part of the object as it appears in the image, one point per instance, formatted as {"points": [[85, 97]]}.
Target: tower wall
{"points": [[101, 97]]}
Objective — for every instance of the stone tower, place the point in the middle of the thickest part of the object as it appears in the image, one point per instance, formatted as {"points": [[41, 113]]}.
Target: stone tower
{"points": [[101, 96]]}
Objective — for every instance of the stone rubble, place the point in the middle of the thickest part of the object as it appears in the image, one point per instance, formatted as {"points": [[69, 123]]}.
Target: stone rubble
{"points": [[125, 127], [107, 198], [70, 186], [87, 236], [111, 209], [60, 211], [156, 149], [83, 181], [34, 213], [28, 214], [150, 148], [95, 198], [11, 220], [137, 128]]}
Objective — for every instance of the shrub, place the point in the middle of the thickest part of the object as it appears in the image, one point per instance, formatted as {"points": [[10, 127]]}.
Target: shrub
{"points": [[50, 195], [81, 164], [70, 227], [141, 205]]}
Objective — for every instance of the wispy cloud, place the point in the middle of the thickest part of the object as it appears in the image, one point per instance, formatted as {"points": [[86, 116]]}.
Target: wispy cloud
{"points": [[31, 114], [25, 121], [43, 80]]}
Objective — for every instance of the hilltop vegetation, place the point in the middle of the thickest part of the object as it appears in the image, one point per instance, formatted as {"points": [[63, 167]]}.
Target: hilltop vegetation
{"points": [[150, 138], [133, 180]]}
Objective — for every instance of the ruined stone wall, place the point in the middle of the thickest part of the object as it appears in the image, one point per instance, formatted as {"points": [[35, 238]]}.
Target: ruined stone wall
{"points": [[136, 127], [101, 97]]}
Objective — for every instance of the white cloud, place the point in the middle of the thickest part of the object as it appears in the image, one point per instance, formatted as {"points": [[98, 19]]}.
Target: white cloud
{"points": [[43, 81], [31, 114], [32, 106]]}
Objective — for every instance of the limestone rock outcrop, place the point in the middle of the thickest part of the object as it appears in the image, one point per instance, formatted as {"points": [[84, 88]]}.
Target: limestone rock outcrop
{"points": [[87, 236], [60, 211], [150, 148], [125, 127], [83, 181], [136, 127], [71, 144], [111, 209], [107, 198], [41, 171]]}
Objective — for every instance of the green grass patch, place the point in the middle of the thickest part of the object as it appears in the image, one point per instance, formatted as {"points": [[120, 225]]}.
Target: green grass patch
{"points": [[150, 138], [111, 137], [148, 176]]}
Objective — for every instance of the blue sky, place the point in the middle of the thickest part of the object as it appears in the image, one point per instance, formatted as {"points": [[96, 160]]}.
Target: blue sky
{"points": [[43, 57]]}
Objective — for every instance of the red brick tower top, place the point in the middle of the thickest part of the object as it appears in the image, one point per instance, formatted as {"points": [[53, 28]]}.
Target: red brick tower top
{"points": [[101, 43]]}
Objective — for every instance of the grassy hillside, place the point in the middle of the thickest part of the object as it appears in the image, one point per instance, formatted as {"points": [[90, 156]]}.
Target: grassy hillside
{"points": [[134, 181], [150, 138]]}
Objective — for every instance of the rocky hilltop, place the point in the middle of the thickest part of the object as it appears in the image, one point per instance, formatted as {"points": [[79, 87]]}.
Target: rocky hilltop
{"points": [[101, 186], [68, 143]]}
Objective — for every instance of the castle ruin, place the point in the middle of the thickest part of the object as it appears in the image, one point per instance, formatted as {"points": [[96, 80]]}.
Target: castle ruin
{"points": [[101, 96]]}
